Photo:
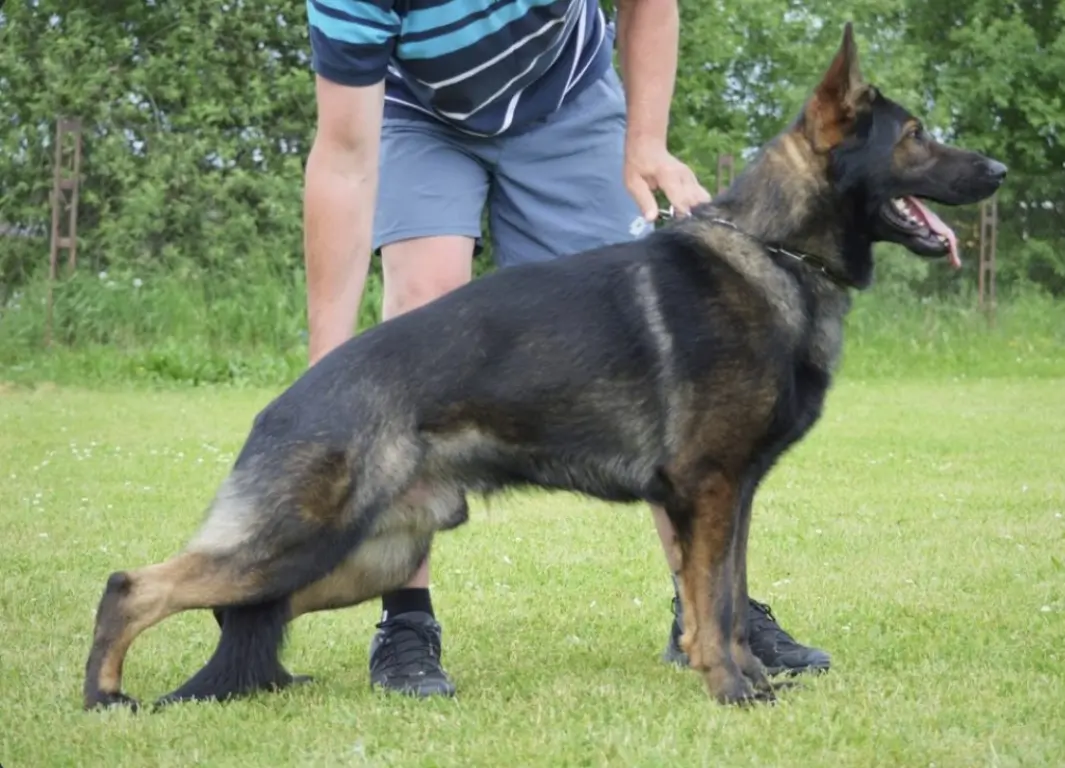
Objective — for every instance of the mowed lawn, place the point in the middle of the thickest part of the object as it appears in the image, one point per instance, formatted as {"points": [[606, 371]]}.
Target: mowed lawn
{"points": [[918, 535]]}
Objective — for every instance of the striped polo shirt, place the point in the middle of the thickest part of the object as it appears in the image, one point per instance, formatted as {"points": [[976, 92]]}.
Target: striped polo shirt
{"points": [[483, 66]]}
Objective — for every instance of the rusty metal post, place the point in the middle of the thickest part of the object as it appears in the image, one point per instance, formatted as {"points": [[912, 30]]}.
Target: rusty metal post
{"points": [[724, 163], [65, 175], [988, 251]]}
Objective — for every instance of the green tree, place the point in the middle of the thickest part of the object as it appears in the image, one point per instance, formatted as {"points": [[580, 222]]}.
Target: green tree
{"points": [[998, 69], [197, 116]]}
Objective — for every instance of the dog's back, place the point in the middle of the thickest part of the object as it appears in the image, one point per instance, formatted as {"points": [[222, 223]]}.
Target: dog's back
{"points": [[585, 383]]}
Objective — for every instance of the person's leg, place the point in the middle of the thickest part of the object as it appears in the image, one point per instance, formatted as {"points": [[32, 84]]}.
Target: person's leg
{"points": [[430, 197], [422, 269], [559, 190]]}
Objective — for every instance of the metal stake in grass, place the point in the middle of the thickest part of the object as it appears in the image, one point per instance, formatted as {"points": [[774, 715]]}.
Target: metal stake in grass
{"points": [[988, 248], [65, 174]]}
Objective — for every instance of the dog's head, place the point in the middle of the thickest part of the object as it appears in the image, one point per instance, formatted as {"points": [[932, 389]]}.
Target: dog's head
{"points": [[883, 161]]}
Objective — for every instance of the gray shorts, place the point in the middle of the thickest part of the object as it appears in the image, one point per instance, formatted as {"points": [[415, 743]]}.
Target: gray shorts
{"points": [[554, 189]]}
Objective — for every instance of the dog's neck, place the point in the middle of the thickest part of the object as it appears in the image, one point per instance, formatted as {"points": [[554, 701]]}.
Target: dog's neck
{"points": [[785, 197]]}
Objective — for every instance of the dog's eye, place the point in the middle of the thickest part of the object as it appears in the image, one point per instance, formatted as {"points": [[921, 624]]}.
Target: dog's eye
{"points": [[915, 132]]}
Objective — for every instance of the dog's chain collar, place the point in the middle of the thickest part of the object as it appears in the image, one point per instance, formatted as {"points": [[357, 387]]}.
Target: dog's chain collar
{"points": [[814, 262]]}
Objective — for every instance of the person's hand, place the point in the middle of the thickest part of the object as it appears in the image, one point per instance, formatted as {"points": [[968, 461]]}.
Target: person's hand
{"points": [[649, 167]]}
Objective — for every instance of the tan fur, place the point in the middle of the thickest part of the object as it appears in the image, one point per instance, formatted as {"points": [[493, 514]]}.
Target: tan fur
{"points": [[381, 564], [703, 564], [231, 521], [151, 594], [830, 113]]}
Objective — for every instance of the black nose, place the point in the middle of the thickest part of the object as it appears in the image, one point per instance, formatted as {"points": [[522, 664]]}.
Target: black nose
{"points": [[995, 169]]}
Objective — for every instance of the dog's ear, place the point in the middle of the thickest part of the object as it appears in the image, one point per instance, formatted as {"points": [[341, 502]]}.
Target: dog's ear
{"points": [[831, 111]]}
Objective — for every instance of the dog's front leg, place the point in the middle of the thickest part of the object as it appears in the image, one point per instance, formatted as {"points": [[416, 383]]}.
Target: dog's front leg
{"points": [[706, 589], [748, 663]]}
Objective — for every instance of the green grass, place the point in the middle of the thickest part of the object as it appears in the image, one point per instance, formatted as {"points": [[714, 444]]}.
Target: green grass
{"points": [[918, 535]]}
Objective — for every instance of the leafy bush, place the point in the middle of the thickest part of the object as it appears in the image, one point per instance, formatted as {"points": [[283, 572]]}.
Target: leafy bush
{"points": [[198, 116]]}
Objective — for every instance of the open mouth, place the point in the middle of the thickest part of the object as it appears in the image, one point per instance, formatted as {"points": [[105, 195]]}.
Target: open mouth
{"points": [[920, 229]]}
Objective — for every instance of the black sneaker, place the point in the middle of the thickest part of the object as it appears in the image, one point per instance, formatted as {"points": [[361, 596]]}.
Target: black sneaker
{"points": [[673, 653], [776, 649], [405, 656]]}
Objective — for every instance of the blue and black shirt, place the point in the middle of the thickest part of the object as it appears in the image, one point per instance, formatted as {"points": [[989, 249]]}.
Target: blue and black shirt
{"points": [[483, 66]]}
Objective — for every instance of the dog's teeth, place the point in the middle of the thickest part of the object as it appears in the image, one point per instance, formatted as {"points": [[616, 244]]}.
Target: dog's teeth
{"points": [[905, 211]]}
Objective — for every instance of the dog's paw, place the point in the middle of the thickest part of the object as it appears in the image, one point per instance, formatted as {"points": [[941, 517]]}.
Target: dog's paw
{"points": [[101, 700], [752, 668], [732, 688]]}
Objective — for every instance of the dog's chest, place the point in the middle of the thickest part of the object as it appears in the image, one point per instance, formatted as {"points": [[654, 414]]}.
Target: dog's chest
{"points": [[824, 339]]}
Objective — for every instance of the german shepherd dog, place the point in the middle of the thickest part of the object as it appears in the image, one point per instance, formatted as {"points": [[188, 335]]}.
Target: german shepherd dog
{"points": [[674, 370]]}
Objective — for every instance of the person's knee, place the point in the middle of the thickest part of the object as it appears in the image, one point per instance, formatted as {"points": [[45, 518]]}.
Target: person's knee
{"points": [[420, 270]]}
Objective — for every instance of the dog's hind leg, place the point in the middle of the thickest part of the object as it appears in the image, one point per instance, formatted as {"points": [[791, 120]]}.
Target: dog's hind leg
{"points": [[135, 600], [266, 536], [384, 558], [706, 588], [255, 583], [391, 551], [378, 566]]}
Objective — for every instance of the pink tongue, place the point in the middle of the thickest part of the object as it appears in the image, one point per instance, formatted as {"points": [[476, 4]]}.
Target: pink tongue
{"points": [[938, 226]]}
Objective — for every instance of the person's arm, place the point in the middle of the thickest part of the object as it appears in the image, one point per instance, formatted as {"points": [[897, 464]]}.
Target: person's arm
{"points": [[338, 208], [351, 41], [647, 40]]}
